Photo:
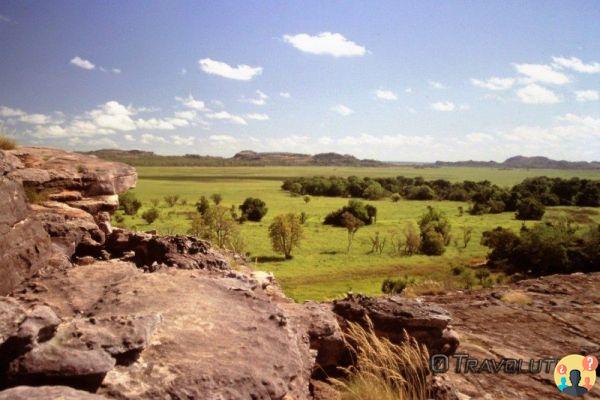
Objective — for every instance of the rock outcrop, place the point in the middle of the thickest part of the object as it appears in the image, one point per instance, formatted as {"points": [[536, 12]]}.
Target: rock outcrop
{"points": [[131, 315]]}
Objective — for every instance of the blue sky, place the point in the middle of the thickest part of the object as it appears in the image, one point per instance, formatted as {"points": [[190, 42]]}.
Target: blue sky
{"points": [[411, 81]]}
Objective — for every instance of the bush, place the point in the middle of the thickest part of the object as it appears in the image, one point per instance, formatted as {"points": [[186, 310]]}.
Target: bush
{"points": [[434, 220], [285, 232], [396, 197], [218, 226], [216, 198], [7, 143], [202, 205], [432, 243], [171, 200], [374, 191], [253, 209], [306, 199], [530, 209], [396, 286], [412, 243], [355, 207], [458, 195], [422, 192], [129, 203], [150, 215]]}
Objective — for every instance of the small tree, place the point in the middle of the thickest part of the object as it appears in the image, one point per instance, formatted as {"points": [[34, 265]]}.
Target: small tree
{"points": [[466, 232], [171, 200], [482, 274], [530, 209], [396, 197], [306, 199], [352, 225], [216, 225], [412, 242], [253, 209], [202, 205], [216, 198], [371, 212], [432, 243], [285, 232], [150, 215], [377, 243], [396, 286], [129, 203]]}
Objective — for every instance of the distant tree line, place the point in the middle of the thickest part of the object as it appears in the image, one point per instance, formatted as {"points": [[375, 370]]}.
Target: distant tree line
{"points": [[527, 198]]}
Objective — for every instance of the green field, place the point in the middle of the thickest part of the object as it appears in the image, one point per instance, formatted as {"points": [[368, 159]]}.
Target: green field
{"points": [[321, 269]]}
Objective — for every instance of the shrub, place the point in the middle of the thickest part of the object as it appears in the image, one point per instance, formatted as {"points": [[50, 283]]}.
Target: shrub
{"points": [[422, 192], [202, 205], [7, 143], [154, 202], [435, 232], [396, 197], [303, 217], [355, 207], [458, 195], [482, 274], [285, 232], [352, 225], [432, 243], [530, 209], [457, 270], [119, 218], [150, 215], [217, 226], [377, 243], [374, 191], [129, 203], [253, 209], [412, 239], [306, 199], [397, 285], [467, 231], [216, 198], [171, 200]]}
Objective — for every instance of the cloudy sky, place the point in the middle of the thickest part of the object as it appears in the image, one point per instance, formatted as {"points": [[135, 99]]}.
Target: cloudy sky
{"points": [[410, 81]]}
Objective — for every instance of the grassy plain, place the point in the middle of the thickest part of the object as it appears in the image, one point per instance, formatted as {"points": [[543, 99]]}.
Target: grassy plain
{"points": [[321, 269]]}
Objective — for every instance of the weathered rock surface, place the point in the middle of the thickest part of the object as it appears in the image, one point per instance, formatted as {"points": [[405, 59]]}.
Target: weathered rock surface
{"points": [[427, 323], [562, 317], [47, 393]]}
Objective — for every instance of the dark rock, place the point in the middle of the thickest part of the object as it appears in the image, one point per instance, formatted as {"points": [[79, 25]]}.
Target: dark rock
{"points": [[427, 323], [39, 325], [47, 393]]}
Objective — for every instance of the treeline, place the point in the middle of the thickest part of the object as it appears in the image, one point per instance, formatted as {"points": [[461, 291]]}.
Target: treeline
{"points": [[526, 198]]}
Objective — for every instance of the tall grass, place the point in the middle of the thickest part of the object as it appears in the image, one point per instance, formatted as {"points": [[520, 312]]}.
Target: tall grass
{"points": [[7, 143], [383, 370]]}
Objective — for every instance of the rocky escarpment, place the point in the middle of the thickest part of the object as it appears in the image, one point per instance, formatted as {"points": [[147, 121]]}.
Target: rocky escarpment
{"points": [[95, 312]]}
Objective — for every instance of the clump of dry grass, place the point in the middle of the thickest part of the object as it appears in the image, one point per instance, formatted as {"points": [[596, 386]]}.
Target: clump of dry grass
{"points": [[7, 143], [383, 370], [516, 297]]}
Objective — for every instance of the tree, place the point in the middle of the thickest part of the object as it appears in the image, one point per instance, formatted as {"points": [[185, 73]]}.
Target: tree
{"points": [[435, 220], [129, 203], [432, 242], [422, 192], [467, 232], [306, 199], [371, 213], [396, 197], [412, 243], [285, 232], [253, 209], [374, 191], [377, 243], [202, 205], [217, 226], [355, 207], [150, 215], [352, 225], [530, 209], [216, 198], [171, 200]]}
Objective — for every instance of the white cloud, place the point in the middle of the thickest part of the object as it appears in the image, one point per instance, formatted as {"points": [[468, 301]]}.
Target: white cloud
{"points": [[479, 137], [182, 141], [259, 100], [116, 70], [242, 72], [436, 85], [188, 115], [542, 73], [285, 95], [443, 106], [82, 63], [408, 90], [36, 119], [385, 140], [161, 124], [258, 117], [342, 110], [192, 103], [494, 83], [587, 123], [129, 138], [183, 71], [225, 116], [222, 139], [148, 138], [587, 95], [577, 65], [325, 140], [52, 131], [386, 95], [536, 94], [334, 44], [10, 112], [114, 116]]}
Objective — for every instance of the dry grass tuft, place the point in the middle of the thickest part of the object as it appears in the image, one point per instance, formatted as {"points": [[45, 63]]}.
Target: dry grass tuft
{"points": [[517, 297], [384, 371], [7, 143]]}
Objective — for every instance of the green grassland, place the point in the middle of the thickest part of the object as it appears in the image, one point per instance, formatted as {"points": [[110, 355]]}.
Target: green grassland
{"points": [[321, 269]]}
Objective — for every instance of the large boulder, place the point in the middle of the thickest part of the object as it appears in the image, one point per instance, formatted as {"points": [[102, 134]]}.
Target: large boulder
{"points": [[25, 247], [47, 393], [391, 315]]}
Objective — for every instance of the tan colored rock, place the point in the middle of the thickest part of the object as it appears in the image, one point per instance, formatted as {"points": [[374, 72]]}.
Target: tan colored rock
{"points": [[47, 393]]}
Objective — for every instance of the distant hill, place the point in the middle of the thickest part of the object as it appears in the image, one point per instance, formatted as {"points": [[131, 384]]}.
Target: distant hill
{"points": [[246, 157], [525, 162]]}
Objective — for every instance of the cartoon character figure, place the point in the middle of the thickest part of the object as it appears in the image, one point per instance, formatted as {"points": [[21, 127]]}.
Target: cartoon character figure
{"points": [[575, 389], [587, 384], [563, 383]]}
